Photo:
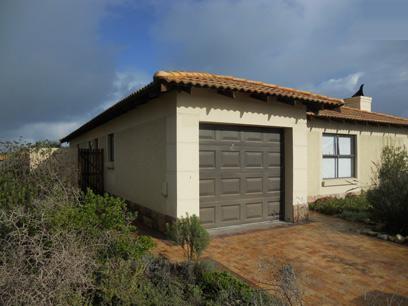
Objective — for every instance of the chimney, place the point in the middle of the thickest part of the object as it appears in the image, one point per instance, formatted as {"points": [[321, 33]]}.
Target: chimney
{"points": [[359, 101]]}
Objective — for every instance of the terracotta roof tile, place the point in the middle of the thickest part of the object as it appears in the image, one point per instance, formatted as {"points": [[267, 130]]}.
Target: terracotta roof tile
{"points": [[349, 113], [209, 80]]}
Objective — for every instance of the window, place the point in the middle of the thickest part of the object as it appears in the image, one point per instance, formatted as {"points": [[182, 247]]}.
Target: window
{"points": [[338, 156], [96, 145], [111, 148]]}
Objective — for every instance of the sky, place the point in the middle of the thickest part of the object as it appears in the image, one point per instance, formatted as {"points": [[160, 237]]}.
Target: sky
{"points": [[64, 61]]}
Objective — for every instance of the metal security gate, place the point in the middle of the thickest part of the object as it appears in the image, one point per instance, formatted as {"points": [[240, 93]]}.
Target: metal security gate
{"points": [[91, 169], [241, 174]]}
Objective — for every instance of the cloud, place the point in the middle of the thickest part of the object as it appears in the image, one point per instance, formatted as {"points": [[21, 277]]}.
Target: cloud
{"points": [[54, 66], [125, 83], [339, 86], [324, 45], [58, 68], [41, 130]]}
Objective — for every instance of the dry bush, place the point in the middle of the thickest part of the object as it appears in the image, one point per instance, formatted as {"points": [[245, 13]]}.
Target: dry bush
{"points": [[39, 267], [379, 298], [25, 180], [281, 281], [55, 240]]}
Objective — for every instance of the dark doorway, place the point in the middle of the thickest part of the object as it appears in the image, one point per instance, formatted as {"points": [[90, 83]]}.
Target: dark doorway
{"points": [[90, 162]]}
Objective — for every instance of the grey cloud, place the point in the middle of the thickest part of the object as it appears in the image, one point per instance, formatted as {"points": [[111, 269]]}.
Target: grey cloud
{"points": [[300, 43], [55, 71], [53, 67]]}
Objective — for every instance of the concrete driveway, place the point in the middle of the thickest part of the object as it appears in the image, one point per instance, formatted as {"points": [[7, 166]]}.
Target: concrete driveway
{"points": [[334, 264]]}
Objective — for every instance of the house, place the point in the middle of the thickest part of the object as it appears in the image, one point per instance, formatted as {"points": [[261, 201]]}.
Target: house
{"points": [[235, 151]]}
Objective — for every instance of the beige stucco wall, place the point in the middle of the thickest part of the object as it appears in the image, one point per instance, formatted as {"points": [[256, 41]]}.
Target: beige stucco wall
{"points": [[144, 170], [370, 140], [157, 149], [207, 106]]}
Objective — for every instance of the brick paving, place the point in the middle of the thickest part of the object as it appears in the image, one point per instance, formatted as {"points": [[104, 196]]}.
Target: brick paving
{"points": [[334, 264]]}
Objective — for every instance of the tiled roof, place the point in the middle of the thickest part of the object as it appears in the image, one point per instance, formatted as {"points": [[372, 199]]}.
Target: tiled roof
{"points": [[349, 113], [209, 80], [220, 82]]}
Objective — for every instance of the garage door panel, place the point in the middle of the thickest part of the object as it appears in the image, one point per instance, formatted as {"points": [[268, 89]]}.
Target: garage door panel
{"points": [[230, 159], [253, 159], [229, 135], [275, 196], [207, 187], [207, 134], [275, 172], [273, 209], [274, 147], [240, 174], [254, 210], [253, 185], [207, 215], [207, 159], [252, 136], [273, 184], [231, 213], [273, 136], [230, 186], [273, 159]]}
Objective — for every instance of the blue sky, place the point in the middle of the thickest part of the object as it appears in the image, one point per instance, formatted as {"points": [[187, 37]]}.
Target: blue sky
{"points": [[63, 62]]}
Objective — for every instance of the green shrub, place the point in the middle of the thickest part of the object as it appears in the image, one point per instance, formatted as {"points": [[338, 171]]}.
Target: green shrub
{"points": [[200, 283], [328, 206], [15, 187], [105, 218], [190, 235], [94, 215], [125, 245], [225, 289], [118, 282], [352, 207], [61, 247], [389, 196]]}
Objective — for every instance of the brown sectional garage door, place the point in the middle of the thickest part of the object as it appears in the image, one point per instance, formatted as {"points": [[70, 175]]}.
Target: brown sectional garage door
{"points": [[241, 174]]}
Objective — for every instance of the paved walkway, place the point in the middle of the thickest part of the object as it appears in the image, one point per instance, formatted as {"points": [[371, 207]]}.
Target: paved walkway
{"points": [[334, 264]]}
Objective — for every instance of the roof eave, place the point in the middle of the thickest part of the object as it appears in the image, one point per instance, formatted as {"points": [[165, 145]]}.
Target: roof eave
{"points": [[158, 87], [329, 105], [372, 122]]}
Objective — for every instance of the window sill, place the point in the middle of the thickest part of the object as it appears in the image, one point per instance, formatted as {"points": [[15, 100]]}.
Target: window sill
{"points": [[339, 182]]}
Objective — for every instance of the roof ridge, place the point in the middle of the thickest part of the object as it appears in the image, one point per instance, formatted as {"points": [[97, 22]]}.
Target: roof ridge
{"points": [[378, 113], [169, 73]]}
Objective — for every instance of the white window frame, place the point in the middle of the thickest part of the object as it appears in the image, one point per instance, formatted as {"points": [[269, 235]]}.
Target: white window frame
{"points": [[337, 156]]}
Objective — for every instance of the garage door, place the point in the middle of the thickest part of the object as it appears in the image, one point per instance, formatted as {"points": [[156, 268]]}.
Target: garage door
{"points": [[241, 174]]}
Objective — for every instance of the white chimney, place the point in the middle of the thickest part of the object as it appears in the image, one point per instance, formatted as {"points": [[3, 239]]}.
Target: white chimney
{"points": [[359, 100]]}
